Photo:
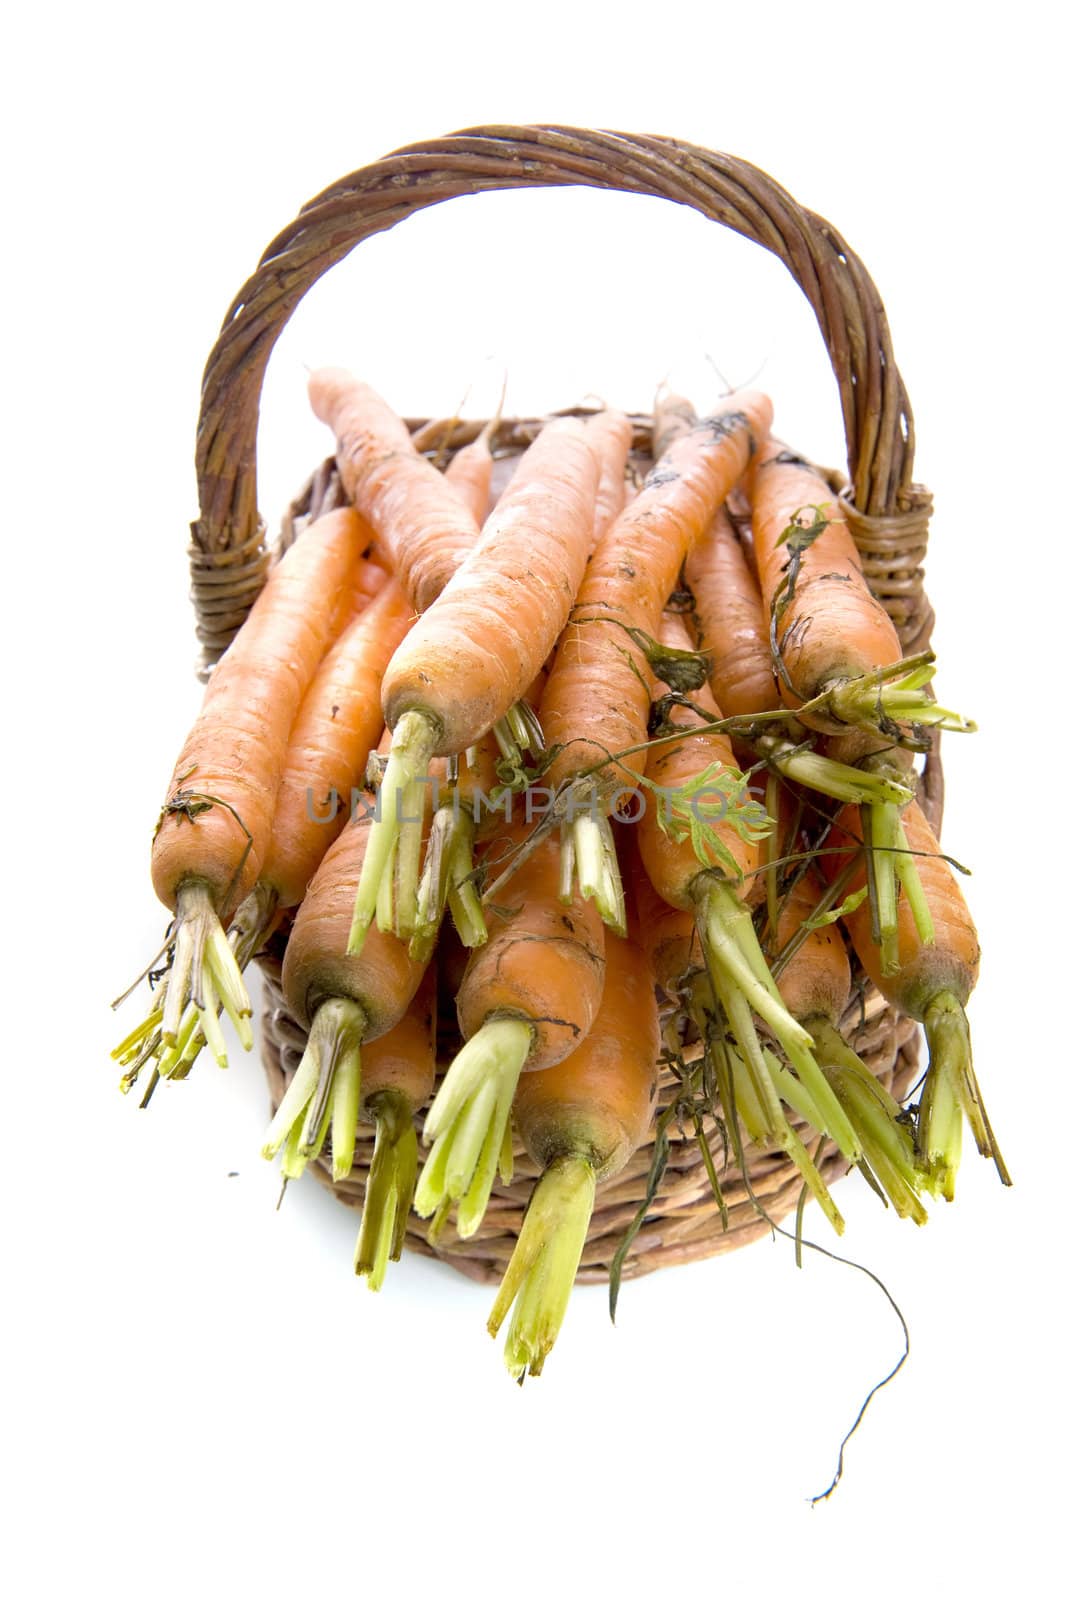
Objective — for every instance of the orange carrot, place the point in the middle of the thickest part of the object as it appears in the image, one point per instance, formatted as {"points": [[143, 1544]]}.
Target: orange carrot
{"points": [[527, 999], [598, 693], [835, 647], [674, 416], [473, 654], [674, 862], [469, 472], [343, 1003], [338, 724], [580, 1120], [698, 848], [731, 621], [213, 835], [611, 433], [422, 520], [932, 984], [666, 934]]}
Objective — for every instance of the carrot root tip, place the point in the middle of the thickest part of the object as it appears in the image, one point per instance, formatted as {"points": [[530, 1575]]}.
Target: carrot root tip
{"points": [[543, 1267], [468, 1122]]}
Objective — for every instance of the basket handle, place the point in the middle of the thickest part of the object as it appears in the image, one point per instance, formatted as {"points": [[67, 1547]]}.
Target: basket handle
{"points": [[888, 513]]}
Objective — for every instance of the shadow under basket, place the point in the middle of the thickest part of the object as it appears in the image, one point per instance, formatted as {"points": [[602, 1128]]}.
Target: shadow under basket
{"points": [[888, 515]]}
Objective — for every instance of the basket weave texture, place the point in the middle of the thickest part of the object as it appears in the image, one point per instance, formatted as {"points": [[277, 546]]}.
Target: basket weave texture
{"points": [[888, 515]]}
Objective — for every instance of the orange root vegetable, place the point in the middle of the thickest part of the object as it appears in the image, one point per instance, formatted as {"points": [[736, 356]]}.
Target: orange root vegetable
{"points": [[338, 725], [835, 648], [214, 831], [398, 1073], [527, 999], [932, 983], [611, 434], [598, 692], [469, 472], [581, 1121], [698, 849], [674, 416], [730, 624], [731, 621], [697, 785], [424, 523], [474, 653], [667, 935], [343, 1002]]}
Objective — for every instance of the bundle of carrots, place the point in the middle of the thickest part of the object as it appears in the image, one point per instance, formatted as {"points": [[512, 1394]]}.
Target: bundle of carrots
{"points": [[453, 705]]}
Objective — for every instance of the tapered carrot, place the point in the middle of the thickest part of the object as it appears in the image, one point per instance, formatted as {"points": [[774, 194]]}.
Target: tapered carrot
{"points": [[580, 1120], [397, 1075], [836, 649], [424, 523], [597, 695], [527, 999], [703, 867], [666, 934], [214, 831], [335, 729], [337, 726], [932, 983], [731, 620], [469, 472], [473, 654], [611, 432], [674, 416], [343, 1003]]}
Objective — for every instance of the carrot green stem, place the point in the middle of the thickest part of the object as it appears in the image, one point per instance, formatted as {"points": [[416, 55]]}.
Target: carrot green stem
{"points": [[447, 880], [204, 972], [754, 1079], [772, 849], [463, 899], [519, 732], [598, 875], [324, 1091], [251, 923], [389, 1187], [828, 777], [468, 1121], [400, 808], [911, 886], [951, 1092], [544, 1264], [887, 1139], [742, 975], [130, 1046], [890, 695], [883, 832]]}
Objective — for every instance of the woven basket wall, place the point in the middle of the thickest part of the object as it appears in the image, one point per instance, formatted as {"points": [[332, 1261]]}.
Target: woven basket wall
{"points": [[888, 515]]}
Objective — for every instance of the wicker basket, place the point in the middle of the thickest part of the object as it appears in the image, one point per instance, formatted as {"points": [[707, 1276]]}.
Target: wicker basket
{"points": [[888, 515]]}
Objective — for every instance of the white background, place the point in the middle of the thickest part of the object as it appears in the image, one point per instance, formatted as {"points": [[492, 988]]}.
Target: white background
{"points": [[199, 1396]]}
